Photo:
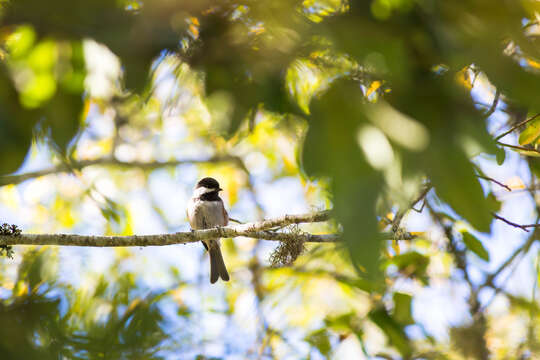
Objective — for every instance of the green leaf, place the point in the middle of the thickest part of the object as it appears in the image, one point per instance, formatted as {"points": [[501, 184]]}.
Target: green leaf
{"points": [[470, 340], [360, 283], [453, 176], [454, 125], [136, 37], [101, 287], [403, 308], [16, 125], [393, 331], [63, 117], [473, 130], [385, 53], [500, 156], [37, 267], [331, 150], [346, 323], [320, 340], [524, 303], [531, 132], [493, 203], [341, 322], [514, 80], [475, 245], [412, 264]]}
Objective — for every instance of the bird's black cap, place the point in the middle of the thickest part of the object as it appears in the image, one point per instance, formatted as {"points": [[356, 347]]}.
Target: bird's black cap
{"points": [[208, 182]]}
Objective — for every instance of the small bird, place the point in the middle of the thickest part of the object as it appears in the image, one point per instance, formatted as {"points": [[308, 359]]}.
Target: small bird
{"points": [[206, 210]]}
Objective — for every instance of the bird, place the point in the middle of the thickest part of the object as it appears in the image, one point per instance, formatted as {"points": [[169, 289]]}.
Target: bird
{"points": [[206, 210]]}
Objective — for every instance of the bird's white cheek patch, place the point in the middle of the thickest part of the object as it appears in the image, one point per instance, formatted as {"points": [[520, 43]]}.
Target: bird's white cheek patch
{"points": [[202, 190]]}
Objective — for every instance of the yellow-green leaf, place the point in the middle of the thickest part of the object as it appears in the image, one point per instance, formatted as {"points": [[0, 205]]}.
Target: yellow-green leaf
{"points": [[531, 132]]}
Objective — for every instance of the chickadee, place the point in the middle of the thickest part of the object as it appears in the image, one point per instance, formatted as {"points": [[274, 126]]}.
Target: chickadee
{"points": [[205, 210]]}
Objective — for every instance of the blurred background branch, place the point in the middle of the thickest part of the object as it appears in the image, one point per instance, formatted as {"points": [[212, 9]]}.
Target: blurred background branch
{"points": [[109, 161]]}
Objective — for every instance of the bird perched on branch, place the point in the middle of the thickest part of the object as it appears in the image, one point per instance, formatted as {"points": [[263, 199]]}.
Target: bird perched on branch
{"points": [[206, 210]]}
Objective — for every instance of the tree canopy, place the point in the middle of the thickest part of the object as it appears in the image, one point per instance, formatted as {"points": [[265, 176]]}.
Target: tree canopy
{"points": [[406, 133]]}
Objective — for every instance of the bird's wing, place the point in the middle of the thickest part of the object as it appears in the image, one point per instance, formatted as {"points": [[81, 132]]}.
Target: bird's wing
{"points": [[225, 215]]}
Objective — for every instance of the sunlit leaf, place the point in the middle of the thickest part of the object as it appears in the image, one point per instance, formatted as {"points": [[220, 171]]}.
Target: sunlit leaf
{"points": [[20, 41], [530, 133], [374, 86], [463, 78]]}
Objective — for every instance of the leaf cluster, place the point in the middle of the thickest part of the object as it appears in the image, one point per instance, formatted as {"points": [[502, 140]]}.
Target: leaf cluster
{"points": [[49, 318]]}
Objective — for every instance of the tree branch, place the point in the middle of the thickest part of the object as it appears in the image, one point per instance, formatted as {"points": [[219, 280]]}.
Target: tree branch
{"points": [[258, 230], [284, 221], [522, 148], [519, 226], [460, 259], [494, 181], [400, 214], [494, 104], [523, 248], [108, 161], [515, 127]]}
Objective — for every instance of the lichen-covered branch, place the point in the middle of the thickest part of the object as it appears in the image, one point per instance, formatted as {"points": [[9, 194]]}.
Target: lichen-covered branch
{"points": [[260, 230], [285, 220]]}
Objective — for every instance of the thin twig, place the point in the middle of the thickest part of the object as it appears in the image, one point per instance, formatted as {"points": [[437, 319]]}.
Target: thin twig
{"points": [[517, 147], [491, 277], [516, 126], [494, 104], [400, 214], [459, 258], [525, 247], [107, 161], [498, 289], [494, 181], [236, 221], [522, 227]]}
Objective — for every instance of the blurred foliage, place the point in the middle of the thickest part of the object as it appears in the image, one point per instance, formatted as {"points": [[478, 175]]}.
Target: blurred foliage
{"points": [[49, 319], [363, 102]]}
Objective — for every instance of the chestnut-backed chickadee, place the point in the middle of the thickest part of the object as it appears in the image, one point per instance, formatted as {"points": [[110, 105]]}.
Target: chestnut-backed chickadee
{"points": [[205, 210]]}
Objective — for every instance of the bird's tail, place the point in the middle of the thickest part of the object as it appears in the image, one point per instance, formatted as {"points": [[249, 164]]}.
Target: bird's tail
{"points": [[217, 265]]}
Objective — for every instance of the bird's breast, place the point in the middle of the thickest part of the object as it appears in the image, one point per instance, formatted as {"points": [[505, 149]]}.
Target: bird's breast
{"points": [[206, 214]]}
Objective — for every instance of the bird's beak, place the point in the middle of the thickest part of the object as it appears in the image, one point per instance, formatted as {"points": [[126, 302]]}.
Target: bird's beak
{"points": [[220, 189]]}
